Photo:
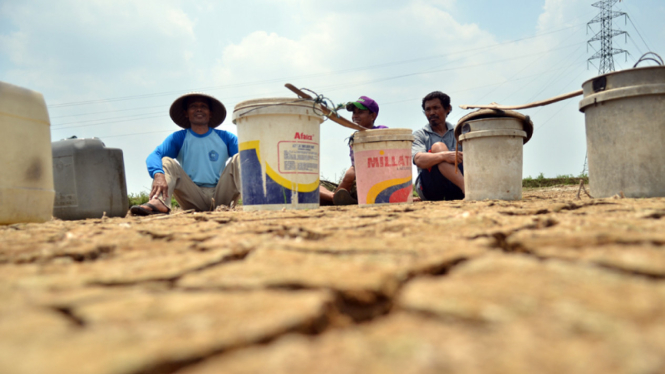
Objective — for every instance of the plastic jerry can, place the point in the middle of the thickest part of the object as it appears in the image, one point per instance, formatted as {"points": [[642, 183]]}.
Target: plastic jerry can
{"points": [[89, 180], [26, 179]]}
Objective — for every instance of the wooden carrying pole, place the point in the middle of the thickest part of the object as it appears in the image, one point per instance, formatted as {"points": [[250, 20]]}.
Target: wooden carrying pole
{"points": [[340, 120], [526, 106]]}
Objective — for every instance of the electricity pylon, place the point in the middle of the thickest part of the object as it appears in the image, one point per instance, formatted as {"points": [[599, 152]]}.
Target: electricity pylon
{"points": [[605, 35]]}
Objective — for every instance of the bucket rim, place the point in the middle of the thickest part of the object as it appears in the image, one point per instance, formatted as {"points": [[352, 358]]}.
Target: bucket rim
{"points": [[382, 135], [272, 101], [621, 93], [384, 138], [479, 114], [490, 133], [246, 107], [621, 72]]}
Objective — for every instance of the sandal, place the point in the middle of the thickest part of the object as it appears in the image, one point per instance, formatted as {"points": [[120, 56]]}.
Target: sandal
{"points": [[140, 210], [343, 197]]}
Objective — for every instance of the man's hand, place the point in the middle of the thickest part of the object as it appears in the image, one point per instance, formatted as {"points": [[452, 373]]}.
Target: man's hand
{"points": [[159, 187], [449, 157], [426, 160]]}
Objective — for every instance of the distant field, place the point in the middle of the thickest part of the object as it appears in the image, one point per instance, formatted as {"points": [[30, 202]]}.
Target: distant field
{"points": [[541, 181]]}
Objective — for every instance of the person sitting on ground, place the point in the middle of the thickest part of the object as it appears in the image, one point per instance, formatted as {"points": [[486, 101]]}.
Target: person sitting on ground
{"points": [[365, 111], [433, 153], [200, 179]]}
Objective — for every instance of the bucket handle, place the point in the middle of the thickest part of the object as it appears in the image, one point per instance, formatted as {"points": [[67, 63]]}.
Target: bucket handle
{"points": [[322, 103], [646, 57]]}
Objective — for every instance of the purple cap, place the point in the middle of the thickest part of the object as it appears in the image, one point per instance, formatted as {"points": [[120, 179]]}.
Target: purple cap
{"points": [[364, 103]]}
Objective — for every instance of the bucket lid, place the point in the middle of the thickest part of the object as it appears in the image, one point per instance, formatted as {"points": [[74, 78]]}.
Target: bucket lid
{"points": [[275, 105], [495, 113], [383, 135]]}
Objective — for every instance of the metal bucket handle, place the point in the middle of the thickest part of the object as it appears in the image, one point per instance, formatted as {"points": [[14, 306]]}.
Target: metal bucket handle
{"points": [[646, 57]]}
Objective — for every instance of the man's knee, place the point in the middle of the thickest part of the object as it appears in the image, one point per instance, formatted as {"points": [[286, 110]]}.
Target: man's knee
{"points": [[350, 173], [439, 147], [235, 159], [170, 166], [168, 162]]}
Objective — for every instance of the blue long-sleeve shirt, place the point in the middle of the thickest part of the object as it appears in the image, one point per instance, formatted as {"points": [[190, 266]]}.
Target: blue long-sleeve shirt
{"points": [[203, 157]]}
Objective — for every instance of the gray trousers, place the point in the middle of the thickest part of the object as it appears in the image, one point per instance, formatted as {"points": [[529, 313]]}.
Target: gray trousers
{"points": [[191, 196]]}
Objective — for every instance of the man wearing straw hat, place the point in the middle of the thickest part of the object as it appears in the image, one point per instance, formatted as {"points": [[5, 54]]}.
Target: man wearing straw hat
{"points": [[365, 110], [200, 179], [433, 153]]}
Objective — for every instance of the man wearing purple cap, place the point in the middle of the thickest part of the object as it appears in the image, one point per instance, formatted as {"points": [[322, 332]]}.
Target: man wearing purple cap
{"points": [[365, 111], [200, 179]]}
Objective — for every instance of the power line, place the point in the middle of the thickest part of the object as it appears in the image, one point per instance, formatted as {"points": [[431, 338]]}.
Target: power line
{"points": [[102, 119], [635, 44], [521, 70], [560, 109], [637, 30], [107, 111], [323, 88], [137, 133], [638, 33], [160, 114], [556, 77], [246, 84], [109, 122], [344, 85]]}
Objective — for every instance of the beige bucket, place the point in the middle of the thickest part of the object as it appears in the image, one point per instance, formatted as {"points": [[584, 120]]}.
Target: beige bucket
{"points": [[279, 153], [383, 166], [26, 173], [493, 158], [625, 130]]}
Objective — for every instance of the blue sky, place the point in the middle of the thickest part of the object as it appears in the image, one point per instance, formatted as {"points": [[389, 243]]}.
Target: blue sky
{"points": [[111, 69]]}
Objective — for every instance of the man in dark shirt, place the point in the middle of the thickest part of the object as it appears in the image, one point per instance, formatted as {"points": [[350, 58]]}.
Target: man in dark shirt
{"points": [[433, 152]]}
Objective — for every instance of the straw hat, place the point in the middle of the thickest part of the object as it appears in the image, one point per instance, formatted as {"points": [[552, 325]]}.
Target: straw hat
{"points": [[177, 111]]}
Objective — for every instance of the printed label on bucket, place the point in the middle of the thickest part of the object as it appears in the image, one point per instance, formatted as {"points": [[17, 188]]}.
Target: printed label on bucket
{"points": [[263, 184], [384, 176], [298, 157]]}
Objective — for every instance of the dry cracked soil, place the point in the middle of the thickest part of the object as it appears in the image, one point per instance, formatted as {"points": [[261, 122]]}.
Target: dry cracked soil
{"points": [[549, 284]]}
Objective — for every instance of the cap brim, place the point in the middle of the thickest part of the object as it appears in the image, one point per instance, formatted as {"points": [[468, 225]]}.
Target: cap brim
{"points": [[177, 111], [355, 104]]}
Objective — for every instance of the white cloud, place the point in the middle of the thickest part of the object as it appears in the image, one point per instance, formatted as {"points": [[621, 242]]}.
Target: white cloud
{"points": [[72, 41]]}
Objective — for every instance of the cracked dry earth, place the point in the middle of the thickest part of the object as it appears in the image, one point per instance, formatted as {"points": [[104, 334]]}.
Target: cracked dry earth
{"points": [[549, 284]]}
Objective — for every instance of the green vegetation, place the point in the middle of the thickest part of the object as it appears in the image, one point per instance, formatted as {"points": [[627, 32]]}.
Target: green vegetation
{"points": [[541, 181], [528, 182]]}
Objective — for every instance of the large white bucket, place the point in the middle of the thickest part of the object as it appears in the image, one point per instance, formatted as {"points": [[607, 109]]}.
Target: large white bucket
{"points": [[625, 130], [383, 166], [279, 153], [26, 168], [493, 158]]}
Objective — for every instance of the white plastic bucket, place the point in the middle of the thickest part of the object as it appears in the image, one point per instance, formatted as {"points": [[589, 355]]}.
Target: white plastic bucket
{"points": [[493, 158], [279, 153], [383, 166], [26, 170]]}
